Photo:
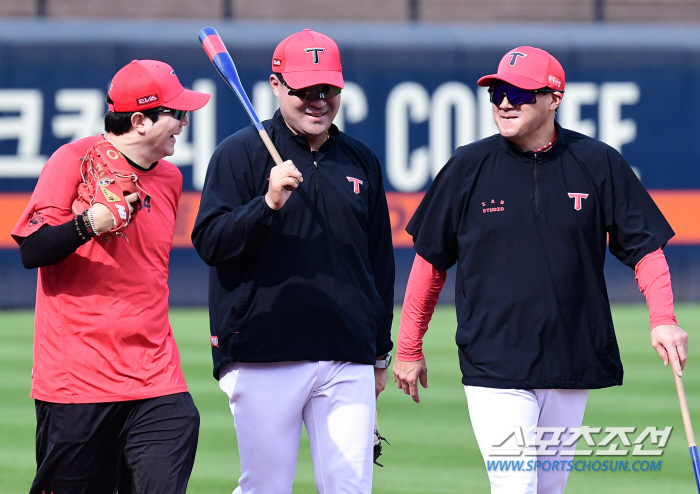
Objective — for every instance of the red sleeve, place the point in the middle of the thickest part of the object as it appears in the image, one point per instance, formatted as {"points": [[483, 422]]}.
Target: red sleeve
{"points": [[424, 285], [654, 280]]}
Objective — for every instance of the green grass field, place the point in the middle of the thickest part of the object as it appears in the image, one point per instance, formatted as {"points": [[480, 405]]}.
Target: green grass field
{"points": [[432, 447]]}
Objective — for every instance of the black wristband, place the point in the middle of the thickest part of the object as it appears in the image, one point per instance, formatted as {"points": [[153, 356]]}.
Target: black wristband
{"points": [[85, 217], [82, 225]]}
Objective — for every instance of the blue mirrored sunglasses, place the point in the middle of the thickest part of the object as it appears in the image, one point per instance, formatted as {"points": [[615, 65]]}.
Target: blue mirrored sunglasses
{"points": [[516, 96], [320, 91], [177, 114]]}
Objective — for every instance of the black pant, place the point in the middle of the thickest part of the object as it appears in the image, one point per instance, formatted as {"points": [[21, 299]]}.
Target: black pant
{"points": [[141, 447]]}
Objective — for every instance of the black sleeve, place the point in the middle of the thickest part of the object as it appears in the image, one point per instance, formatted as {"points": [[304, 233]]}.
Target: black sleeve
{"points": [[638, 226], [232, 219], [435, 223], [52, 244]]}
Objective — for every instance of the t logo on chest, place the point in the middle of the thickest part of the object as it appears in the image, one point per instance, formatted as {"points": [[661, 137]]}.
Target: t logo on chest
{"points": [[356, 184], [577, 197]]}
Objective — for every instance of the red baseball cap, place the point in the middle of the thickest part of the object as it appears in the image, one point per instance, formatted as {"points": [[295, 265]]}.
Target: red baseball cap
{"points": [[528, 68], [145, 84], [308, 58]]}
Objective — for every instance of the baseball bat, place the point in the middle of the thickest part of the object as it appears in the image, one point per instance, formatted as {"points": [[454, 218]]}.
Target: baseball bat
{"points": [[219, 56], [688, 428]]}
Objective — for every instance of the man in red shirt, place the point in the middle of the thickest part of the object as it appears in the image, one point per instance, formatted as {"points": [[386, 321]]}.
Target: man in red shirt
{"points": [[112, 406]]}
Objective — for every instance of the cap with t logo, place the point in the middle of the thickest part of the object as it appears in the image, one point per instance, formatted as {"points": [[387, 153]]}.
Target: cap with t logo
{"points": [[308, 58], [527, 68]]}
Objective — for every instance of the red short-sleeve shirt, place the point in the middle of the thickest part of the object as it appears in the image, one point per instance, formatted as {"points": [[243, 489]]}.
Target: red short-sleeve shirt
{"points": [[101, 330]]}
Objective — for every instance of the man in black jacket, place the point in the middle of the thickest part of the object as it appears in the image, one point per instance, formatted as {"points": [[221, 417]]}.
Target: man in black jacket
{"points": [[301, 280], [525, 216]]}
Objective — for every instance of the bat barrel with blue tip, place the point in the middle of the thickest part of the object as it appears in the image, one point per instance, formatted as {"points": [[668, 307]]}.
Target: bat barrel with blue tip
{"points": [[219, 56], [690, 436], [696, 465]]}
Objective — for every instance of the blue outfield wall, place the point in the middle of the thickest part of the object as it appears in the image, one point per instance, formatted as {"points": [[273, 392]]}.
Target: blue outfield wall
{"points": [[410, 94]]}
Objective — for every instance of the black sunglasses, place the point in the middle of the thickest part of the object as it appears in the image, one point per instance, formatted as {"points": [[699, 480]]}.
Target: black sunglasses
{"points": [[516, 96], [177, 114], [319, 91]]}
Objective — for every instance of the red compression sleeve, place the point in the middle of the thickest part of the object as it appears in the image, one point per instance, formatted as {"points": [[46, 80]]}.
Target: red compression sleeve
{"points": [[424, 285], [654, 280]]}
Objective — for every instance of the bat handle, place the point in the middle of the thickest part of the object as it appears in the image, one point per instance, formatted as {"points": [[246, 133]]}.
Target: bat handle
{"points": [[684, 410], [270, 147]]}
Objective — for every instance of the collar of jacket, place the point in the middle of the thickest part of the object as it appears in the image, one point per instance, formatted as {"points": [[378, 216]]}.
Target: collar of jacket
{"points": [[529, 156], [280, 127]]}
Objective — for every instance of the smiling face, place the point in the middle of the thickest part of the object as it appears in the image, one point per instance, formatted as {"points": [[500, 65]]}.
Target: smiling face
{"points": [[311, 118], [162, 134], [529, 126]]}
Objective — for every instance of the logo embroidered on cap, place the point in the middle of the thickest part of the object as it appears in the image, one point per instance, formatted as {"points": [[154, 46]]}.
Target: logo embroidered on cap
{"points": [[147, 99], [514, 57], [315, 51], [276, 61], [577, 196], [356, 184], [554, 80]]}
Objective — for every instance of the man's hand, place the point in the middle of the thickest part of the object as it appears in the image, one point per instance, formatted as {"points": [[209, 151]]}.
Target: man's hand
{"points": [[381, 376], [672, 344], [407, 375], [103, 217], [283, 180]]}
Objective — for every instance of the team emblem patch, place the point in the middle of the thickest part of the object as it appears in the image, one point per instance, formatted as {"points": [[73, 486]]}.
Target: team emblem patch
{"points": [[315, 51], [356, 184], [514, 55], [577, 197]]}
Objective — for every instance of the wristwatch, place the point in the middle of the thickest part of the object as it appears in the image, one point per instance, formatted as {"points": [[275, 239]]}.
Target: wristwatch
{"points": [[383, 364]]}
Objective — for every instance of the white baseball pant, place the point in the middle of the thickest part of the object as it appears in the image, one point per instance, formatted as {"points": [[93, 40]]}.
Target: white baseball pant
{"points": [[269, 402], [495, 412]]}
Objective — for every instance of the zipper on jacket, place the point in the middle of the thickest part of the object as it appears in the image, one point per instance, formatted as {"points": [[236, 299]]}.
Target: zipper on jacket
{"points": [[315, 157], [537, 191]]}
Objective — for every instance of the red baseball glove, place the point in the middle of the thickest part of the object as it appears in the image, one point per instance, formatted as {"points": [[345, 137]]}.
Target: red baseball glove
{"points": [[105, 182]]}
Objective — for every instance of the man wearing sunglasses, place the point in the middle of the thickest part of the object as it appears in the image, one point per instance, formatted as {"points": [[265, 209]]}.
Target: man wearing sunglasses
{"points": [[112, 406], [526, 216], [301, 281]]}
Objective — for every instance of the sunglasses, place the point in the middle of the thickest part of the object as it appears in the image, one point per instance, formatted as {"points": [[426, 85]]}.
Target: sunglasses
{"points": [[516, 96], [319, 91], [177, 114]]}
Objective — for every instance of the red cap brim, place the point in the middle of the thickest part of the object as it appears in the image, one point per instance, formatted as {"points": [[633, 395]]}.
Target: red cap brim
{"points": [[308, 78], [514, 79], [188, 100]]}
